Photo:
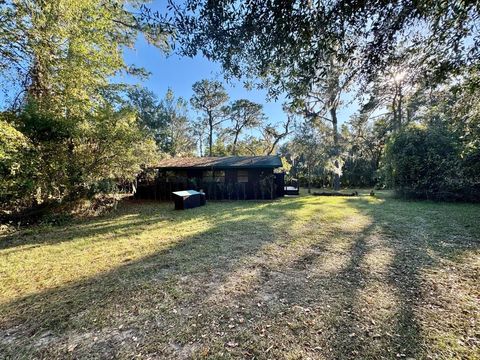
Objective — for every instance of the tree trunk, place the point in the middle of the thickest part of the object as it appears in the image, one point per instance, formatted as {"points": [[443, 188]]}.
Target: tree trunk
{"points": [[397, 104], [409, 115], [394, 110], [274, 145], [309, 181], [400, 98], [234, 145], [336, 175], [210, 134], [36, 89]]}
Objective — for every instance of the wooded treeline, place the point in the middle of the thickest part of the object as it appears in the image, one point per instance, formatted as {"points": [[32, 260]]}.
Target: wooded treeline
{"points": [[427, 146], [69, 129], [413, 67], [66, 131]]}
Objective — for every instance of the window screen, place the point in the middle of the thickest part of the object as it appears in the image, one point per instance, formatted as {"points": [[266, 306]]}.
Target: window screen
{"points": [[219, 176], [242, 176], [208, 176], [214, 176]]}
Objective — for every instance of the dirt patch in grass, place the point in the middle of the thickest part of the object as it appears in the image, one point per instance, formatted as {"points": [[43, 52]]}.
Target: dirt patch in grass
{"points": [[307, 277]]}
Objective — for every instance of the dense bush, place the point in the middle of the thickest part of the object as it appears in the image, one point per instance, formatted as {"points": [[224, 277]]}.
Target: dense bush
{"points": [[15, 163], [426, 162], [44, 159], [359, 173]]}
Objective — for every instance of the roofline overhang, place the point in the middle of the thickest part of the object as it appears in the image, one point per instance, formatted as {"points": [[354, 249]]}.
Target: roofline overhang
{"points": [[214, 167]]}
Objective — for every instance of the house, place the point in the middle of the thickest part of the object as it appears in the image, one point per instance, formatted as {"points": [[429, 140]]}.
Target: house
{"points": [[221, 178]]}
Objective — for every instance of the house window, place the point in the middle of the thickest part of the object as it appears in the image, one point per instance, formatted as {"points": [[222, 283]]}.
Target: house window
{"points": [[242, 176], [219, 176], [174, 176], [214, 176], [208, 176]]}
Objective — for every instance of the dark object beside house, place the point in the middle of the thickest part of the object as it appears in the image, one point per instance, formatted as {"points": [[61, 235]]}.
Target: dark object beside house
{"points": [[220, 178], [292, 188], [203, 198], [188, 199]]}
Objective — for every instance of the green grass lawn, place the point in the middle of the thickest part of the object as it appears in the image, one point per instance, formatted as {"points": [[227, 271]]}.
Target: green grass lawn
{"points": [[302, 277]]}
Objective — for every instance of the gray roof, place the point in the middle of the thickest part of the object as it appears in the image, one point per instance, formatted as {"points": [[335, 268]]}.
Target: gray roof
{"points": [[223, 162]]}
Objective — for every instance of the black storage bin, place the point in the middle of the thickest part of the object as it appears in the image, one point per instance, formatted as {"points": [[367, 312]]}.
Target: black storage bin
{"points": [[203, 198], [188, 199]]}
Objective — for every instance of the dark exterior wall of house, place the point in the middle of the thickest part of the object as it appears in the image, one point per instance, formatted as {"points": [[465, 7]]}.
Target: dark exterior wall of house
{"points": [[280, 184], [194, 174], [230, 189], [231, 175]]}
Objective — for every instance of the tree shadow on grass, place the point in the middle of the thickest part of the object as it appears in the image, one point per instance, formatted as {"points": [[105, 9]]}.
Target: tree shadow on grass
{"points": [[262, 281], [359, 300], [420, 237], [117, 222], [136, 214], [125, 289], [376, 317]]}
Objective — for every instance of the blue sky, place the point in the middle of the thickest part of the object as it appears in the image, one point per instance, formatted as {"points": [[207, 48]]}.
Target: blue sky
{"points": [[179, 74]]}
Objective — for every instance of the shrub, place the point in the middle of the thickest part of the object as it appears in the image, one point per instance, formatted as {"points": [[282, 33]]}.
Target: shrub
{"points": [[425, 162]]}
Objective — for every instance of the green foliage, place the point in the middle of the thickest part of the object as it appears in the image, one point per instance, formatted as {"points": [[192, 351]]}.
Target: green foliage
{"points": [[286, 44], [178, 135], [244, 114], [251, 146], [359, 173], [437, 156], [55, 219], [69, 134], [266, 185], [63, 53], [365, 141], [12, 143], [166, 119], [425, 162], [148, 112], [466, 112], [308, 155], [14, 162], [208, 98], [286, 166], [113, 146], [43, 160], [417, 61], [221, 147]]}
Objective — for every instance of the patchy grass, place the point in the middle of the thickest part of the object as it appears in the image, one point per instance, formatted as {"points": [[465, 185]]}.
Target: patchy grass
{"points": [[305, 277]]}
